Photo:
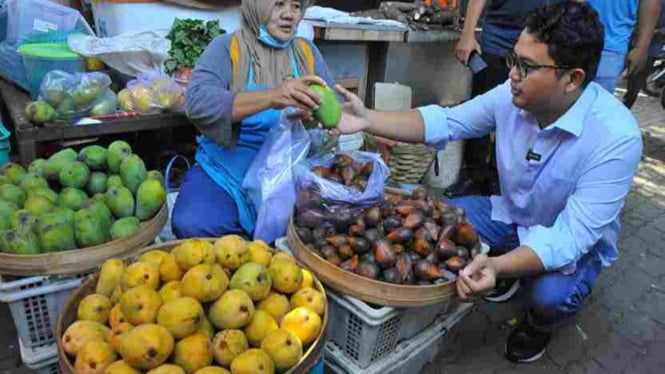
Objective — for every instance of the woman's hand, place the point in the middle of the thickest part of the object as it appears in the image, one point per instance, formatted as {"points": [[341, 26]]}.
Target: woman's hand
{"points": [[296, 93]]}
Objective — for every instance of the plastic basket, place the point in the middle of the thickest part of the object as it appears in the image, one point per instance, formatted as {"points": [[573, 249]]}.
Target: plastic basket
{"points": [[35, 303], [42, 360], [408, 357], [5, 144], [366, 334], [41, 58], [29, 16]]}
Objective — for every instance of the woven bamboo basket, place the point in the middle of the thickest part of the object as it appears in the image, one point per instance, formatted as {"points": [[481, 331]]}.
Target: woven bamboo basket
{"points": [[408, 163], [78, 261], [310, 358]]}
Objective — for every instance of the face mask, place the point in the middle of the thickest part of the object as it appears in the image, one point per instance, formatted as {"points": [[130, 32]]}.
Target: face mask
{"points": [[267, 39]]}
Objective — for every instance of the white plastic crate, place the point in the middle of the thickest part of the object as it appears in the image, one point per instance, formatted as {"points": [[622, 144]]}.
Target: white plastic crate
{"points": [[366, 334], [42, 360], [409, 357], [35, 303]]}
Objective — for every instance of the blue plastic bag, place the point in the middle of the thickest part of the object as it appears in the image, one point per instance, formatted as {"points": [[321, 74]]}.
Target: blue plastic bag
{"points": [[270, 180]]}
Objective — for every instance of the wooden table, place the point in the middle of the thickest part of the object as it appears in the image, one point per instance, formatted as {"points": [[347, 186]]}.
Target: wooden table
{"points": [[28, 136], [377, 38]]}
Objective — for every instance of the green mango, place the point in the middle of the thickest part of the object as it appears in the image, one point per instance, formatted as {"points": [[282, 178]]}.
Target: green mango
{"points": [[94, 156], [7, 209], [329, 112], [37, 167], [21, 242], [56, 216], [38, 204], [55, 163], [46, 192], [156, 175], [97, 183], [13, 171], [12, 193], [72, 198], [117, 151], [124, 227], [30, 181], [100, 197], [57, 237], [89, 228], [113, 181], [74, 174], [67, 109], [24, 220], [39, 112], [5, 180], [121, 201], [150, 197], [132, 172], [100, 207]]}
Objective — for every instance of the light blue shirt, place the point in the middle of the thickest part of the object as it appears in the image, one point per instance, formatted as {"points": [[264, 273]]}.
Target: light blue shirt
{"points": [[618, 17], [567, 203]]}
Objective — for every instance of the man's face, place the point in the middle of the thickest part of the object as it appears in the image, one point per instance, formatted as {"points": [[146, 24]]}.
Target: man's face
{"points": [[542, 88], [284, 18]]}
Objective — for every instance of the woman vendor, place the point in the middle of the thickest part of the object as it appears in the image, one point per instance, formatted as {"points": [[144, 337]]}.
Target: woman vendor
{"points": [[237, 90]]}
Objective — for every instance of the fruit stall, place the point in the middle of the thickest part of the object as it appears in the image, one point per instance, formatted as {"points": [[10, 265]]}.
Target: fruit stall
{"points": [[358, 273]]}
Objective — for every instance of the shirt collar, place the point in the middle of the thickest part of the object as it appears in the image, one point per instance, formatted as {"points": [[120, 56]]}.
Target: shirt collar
{"points": [[573, 120]]}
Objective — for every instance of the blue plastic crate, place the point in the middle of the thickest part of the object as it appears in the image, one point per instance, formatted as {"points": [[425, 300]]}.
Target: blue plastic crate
{"points": [[5, 144]]}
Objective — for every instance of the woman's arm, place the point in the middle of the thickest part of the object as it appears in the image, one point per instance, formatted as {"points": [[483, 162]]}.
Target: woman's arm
{"points": [[214, 108]]}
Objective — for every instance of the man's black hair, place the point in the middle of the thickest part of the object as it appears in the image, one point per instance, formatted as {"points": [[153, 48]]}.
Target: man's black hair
{"points": [[573, 33]]}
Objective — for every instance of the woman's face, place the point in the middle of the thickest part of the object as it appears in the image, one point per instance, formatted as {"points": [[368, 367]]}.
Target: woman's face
{"points": [[284, 18]]}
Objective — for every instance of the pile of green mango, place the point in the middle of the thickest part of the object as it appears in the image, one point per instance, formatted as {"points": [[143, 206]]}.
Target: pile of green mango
{"points": [[76, 199]]}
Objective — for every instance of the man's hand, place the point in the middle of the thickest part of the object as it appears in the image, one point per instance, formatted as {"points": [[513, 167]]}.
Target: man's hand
{"points": [[296, 93], [465, 46], [477, 278], [352, 103], [635, 61]]}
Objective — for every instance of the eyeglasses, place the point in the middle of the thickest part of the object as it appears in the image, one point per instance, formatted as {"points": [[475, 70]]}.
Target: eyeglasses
{"points": [[523, 67]]}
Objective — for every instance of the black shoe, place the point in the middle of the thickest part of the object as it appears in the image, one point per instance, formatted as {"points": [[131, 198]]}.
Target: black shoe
{"points": [[505, 289], [463, 188], [526, 343]]}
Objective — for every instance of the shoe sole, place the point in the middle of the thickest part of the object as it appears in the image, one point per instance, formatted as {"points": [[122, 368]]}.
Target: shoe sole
{"points": [[529, 360], [505, 296]]}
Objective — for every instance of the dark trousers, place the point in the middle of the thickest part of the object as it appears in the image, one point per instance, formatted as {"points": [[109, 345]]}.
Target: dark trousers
{"points": [[479, 164]]}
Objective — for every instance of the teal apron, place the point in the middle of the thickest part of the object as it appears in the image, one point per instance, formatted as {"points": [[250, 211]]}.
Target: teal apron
{"points": [[228, 166]]}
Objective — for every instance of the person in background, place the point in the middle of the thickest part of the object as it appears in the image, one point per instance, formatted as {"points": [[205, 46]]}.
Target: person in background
{"points": [[567, 152], [238, 88], [619, 18], [502, 24], [639, 80]]}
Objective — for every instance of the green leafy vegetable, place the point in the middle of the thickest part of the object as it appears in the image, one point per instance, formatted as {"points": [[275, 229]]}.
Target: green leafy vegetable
{"points": [[189, 38]]}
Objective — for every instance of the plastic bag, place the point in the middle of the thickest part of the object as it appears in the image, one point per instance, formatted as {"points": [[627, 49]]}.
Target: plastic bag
{"points": [[152, 92], [323, 202], [270, 181], [130, 54], [75, 95]]}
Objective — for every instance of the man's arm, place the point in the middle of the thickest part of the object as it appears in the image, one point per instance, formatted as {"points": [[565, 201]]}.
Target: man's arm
{"points": [[649, 14], [431, 124], [468, 42]]}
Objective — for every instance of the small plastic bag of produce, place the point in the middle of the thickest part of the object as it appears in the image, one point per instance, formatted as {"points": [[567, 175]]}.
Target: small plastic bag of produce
{"points": [[270, 180], [333, 190], [152, 92], [75, 95]]}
